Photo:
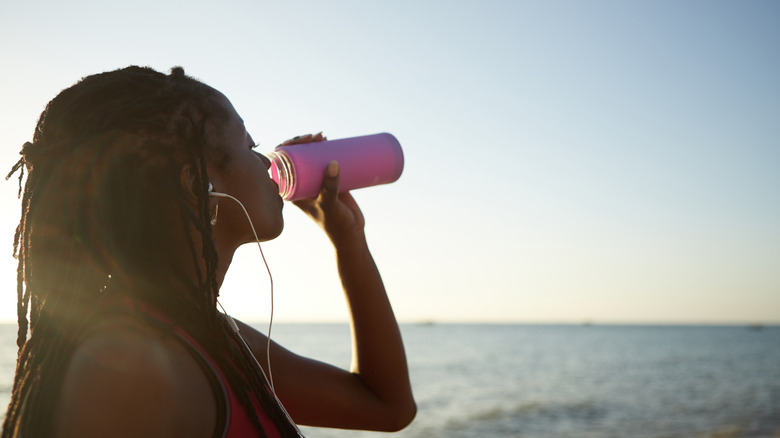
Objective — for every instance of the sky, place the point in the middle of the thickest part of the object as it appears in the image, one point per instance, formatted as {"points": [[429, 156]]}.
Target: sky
{"points": [[565, 161]]}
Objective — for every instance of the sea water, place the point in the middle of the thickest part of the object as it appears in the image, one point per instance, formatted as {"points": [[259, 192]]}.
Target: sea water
{"points": [[476, 380]]}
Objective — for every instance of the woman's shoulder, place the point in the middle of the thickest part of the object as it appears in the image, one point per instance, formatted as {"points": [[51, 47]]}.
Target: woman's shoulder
{"points": [[127, 378], [128, 347]]}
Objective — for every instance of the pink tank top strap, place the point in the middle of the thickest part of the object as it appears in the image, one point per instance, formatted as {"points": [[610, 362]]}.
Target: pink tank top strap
{"points": [[233, 419]]}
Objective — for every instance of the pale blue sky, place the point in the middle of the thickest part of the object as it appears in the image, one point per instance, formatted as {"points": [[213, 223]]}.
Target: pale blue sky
{"points": [[565, 161]]}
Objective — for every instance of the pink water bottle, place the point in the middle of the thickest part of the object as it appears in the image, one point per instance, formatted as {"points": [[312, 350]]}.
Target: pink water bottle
{"points": [[364, 161]]}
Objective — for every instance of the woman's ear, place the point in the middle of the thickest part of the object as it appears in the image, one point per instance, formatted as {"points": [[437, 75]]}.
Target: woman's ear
{"points": [[188, 184]]}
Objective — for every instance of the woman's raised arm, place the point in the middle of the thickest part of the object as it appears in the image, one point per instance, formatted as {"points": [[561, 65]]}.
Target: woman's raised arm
{"points": [[375, 394]]}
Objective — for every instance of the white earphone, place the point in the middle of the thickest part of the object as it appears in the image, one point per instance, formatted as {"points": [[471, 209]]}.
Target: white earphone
{"points": [[224, 195]]}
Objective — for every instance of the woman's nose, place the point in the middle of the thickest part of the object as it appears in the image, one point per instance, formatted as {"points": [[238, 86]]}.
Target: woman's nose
{"points": [[265, 160]]}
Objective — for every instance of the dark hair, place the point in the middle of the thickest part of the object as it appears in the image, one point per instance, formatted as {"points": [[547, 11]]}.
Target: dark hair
{"points": [[102, 194]]}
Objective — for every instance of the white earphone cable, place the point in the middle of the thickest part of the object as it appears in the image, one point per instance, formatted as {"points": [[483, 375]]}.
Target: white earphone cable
{"points": [[232, 323]]}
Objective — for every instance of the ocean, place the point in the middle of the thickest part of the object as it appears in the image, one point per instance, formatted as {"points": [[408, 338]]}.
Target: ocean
{"points": [[535, 381]]}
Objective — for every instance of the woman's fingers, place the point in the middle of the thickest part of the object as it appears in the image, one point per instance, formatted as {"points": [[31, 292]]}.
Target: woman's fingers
{"points": [[307, 138], [330, 184], [328, 195]]}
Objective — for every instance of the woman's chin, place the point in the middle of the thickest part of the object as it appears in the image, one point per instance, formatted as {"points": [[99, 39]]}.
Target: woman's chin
{"points": [[269, 233]]}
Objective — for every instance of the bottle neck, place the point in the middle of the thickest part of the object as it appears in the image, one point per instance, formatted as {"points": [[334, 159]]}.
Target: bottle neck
{"points": [[282, 172]]}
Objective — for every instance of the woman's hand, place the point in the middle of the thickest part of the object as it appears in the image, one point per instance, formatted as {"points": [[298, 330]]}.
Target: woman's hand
{"points": [[336, 213]]}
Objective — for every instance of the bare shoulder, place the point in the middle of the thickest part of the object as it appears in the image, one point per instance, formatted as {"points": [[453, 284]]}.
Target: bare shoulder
{"points": [[128, 379]]}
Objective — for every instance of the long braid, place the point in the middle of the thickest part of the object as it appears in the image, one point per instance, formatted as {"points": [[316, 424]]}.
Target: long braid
{"points": [[103, 164]]}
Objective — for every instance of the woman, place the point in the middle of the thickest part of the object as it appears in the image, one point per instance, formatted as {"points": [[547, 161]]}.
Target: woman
{"points": [[121, 254]]}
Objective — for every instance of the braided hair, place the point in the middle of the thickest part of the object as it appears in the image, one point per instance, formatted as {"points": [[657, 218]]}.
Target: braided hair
{"points": [[102, 194]]}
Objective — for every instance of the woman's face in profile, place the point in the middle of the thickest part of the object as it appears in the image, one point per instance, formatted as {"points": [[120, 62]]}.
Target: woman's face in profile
{"points": [[246, 178]]}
